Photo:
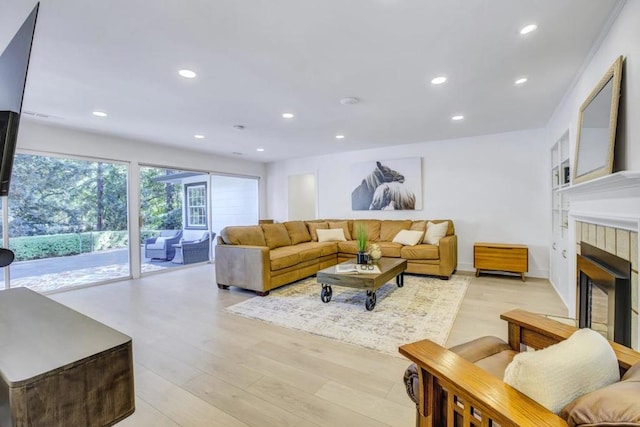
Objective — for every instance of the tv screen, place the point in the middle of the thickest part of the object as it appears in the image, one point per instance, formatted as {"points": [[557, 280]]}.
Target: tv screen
{"points": [[14, 63]]}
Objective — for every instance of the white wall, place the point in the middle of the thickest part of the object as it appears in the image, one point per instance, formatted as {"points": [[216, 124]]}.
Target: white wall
{"points": [[493, 187], [302, 197], [622, 39]]}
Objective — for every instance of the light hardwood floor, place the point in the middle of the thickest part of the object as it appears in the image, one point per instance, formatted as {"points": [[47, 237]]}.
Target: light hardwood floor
{"points": [[197, 365]]}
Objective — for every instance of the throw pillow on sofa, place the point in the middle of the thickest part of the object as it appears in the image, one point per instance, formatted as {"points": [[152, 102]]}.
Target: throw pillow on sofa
{"points": [[331, 235], [341, 224], [435, 232], [562, 372], [297, 232], [276, 235], [408, 237], [314, 226]]}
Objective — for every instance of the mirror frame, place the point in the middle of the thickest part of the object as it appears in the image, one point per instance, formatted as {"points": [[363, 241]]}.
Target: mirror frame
{"points": [[615, 74]]}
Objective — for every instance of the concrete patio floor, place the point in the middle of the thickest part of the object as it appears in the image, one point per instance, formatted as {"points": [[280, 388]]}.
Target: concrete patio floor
{"points": [[51, 274]]}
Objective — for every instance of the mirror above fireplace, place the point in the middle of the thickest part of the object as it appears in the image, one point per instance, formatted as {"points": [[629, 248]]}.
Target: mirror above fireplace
{"points": [[596, 135]]}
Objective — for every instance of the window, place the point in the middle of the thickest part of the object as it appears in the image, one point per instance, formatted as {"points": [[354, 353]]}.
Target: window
{"points": [[196, 205]]}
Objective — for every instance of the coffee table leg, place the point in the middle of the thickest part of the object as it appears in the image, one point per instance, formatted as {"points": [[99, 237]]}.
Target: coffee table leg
{"points": [[326, 293], [371, 300], [400, 280]]}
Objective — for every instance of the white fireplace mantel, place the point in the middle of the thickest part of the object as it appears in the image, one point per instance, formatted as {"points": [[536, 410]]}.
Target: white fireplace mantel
{"points": [[625, 184], [612, 200]]}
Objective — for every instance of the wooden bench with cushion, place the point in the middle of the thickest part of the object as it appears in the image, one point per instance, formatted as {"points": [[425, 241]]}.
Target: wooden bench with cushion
{"points": [[463, 386]]}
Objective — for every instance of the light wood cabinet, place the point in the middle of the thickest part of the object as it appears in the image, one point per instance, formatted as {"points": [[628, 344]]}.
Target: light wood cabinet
{"points": [[501, 257]]}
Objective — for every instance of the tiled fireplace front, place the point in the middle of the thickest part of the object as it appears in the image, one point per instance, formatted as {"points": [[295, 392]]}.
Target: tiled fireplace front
{"points": [[619, 242]]}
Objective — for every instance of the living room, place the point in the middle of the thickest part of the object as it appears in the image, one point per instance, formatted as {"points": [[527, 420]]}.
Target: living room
{"points": [[493, 185]]}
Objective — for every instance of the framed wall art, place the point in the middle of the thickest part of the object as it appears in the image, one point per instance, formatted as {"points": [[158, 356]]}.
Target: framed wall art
{"points": [[394, 184]]}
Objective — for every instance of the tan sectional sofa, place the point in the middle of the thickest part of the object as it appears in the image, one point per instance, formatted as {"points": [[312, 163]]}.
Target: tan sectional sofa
{"points": [[264, 257]]}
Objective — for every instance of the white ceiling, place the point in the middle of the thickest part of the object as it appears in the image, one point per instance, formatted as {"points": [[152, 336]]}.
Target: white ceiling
{"points": [[256, 59]]}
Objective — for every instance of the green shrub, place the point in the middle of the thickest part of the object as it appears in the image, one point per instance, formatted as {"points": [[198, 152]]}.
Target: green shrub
{"points": [[58, 245]]}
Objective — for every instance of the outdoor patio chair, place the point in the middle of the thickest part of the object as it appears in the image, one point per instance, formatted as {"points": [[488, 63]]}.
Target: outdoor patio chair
{"points": [[196, 250], [161, 247]]}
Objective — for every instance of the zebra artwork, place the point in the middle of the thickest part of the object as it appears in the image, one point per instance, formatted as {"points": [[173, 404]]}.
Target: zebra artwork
{"points": [[383, 188]]}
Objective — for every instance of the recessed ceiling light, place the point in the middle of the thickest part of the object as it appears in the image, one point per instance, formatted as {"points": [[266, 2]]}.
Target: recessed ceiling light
{"points": [[438, 80], [287, 115], [100, 114], [260, 149], [187, 74], [238, 127], [521, 81], [458, 117], [349, 100], [339, 136], [198, 136], [529, 28]]}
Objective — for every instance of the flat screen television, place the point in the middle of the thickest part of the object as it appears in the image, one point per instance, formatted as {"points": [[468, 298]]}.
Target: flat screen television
{"points": [[14, 63]]}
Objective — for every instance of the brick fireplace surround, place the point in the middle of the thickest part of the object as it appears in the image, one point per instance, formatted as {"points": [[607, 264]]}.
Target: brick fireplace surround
{"points": [[605, 213]]}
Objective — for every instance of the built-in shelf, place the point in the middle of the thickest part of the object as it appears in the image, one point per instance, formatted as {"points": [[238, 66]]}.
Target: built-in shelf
{"points": [[619, 184]]}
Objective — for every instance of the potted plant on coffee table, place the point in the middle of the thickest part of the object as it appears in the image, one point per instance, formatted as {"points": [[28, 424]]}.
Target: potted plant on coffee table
{"points": [[361, 240]]}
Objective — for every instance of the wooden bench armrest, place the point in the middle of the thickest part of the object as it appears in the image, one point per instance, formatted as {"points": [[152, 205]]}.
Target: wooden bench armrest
{"points": [[538, 332], [440, 369]]}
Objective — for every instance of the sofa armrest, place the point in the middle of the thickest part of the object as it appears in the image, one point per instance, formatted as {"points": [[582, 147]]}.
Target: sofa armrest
{"points": [[448, 247], [471, 392], [248, 267]]}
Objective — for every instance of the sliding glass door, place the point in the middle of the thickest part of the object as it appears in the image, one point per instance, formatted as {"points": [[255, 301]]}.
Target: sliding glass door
{"points": [[67, 222], [174, 213]]}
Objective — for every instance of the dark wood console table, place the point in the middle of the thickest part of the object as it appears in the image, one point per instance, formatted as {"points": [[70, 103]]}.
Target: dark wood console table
{"points": [[59, 367]]}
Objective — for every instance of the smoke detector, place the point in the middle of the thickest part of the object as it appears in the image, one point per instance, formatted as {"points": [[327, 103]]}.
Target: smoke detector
{"points": [[349, 100]]}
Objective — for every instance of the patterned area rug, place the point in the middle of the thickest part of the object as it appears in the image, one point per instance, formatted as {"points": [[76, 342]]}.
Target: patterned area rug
{"points": [[424, 308]]}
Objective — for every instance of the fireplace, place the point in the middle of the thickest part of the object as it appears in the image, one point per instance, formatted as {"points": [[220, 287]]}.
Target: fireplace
{"points": [[604, 292]]}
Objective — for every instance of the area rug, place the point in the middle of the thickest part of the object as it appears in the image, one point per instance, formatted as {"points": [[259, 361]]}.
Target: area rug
{"points": [[424, 308]]}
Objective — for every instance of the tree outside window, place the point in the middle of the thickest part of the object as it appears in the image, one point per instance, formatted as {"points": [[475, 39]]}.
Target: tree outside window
{"points": [[196, 205]]}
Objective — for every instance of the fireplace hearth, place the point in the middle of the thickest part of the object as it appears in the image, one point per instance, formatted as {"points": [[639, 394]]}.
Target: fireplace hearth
{"points": [[600, 272]]}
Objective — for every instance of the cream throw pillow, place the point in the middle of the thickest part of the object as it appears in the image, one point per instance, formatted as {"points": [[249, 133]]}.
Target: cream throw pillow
{"points": [[559, 374], [408, 237], [435, 232], [331, 235]]}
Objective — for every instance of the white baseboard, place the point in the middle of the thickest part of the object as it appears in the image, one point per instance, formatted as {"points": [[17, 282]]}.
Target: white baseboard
{"points": [[539, 274]]}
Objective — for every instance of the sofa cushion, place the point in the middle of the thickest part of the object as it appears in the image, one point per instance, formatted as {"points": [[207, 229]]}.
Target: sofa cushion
{"points": [[350, 247], [489, 353], [283, 257], [617, 404], [435, 232], [313, 226], [419, 225], [562, 372], [327, 248], [276, 235], [390, 249], [309, 251], [408, 237], [389, 229], [298, 232], [331, 235], [341, 224], [420, 252], [371, 225], [251, 235]]}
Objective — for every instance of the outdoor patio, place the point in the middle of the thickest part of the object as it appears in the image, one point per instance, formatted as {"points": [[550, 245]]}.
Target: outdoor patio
{"points": [[52, 274]]}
